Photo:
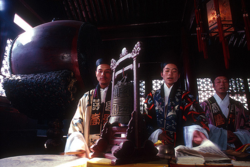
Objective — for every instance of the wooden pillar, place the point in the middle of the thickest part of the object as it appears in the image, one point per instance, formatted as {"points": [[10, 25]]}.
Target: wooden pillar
{"points": [[191, 84]]}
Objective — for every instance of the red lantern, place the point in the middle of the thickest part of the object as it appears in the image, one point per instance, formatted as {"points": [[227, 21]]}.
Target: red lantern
{"points": [[224, 14], [220, 23]]}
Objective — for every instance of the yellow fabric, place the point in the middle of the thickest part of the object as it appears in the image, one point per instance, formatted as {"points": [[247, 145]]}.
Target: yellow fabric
{"points": [[159, 142], [104, 162]]}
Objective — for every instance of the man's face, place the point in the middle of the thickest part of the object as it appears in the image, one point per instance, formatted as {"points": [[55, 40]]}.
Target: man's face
{"points": [[221, 85], [170, 74], [103, 75]]}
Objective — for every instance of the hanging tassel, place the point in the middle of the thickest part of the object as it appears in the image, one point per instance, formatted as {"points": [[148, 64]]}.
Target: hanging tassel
{"points": [[221, 35], [201, 23], [226, 54], [247, 23], [219, 23], [199, 38], [198, 31], [204, 48], [203, 39], [247, 31]]}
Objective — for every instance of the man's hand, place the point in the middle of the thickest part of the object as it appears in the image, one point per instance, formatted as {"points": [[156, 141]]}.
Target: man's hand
{"points": [[165, 137], [80, 153], [231, 137], [198, 137]]}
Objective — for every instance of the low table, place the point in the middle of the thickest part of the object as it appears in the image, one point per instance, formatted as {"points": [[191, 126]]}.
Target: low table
{"points": [[49, 160]]}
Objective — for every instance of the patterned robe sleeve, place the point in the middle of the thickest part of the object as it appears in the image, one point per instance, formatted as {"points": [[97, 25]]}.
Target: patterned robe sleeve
{"points": [[77, 122], [240, 117], [149, 114], [208, 113], [193, 114]]}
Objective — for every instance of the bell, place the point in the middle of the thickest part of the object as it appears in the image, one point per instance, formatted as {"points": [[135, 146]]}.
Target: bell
{"points": [[122, 103]]}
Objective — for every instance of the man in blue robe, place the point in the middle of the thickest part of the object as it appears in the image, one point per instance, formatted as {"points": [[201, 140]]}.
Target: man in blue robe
{"points": [[171, 115]]}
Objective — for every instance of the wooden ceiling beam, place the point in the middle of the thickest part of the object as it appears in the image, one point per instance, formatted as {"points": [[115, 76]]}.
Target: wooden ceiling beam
{"points": [[32, 11], [143, 30], [89, 11], [127, 10], [72, 9], [109, 6], [121, 6], [92, 3], [67, 9], [84, 10], [79, 10], [117, 14], [105, 10], [100, 10]]}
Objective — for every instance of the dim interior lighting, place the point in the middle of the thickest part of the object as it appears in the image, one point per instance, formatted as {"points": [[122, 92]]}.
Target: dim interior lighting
{"points": [[21, 23], [1, 5]]}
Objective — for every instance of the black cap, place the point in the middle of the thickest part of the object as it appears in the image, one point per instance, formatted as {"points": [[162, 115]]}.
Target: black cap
{"points": [[102, 61], [218, 73], [163, 64]]}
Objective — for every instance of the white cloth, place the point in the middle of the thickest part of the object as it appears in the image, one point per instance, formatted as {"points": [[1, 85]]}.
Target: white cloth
{"points": [[75, 142], [223, 104], [218, 136], [188, 134], [167, 91], [154, 136], [103, 94]]}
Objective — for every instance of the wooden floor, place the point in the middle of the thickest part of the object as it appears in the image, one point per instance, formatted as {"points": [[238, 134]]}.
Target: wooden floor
{"points": [[16, 143]]}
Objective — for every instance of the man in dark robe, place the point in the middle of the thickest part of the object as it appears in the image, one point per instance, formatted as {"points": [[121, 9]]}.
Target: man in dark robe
{"points": [[225, 116], [171, 115]]}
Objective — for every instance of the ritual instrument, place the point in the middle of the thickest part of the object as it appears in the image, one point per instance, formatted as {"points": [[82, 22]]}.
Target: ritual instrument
{"points": [[122, 103], [123, 138]]}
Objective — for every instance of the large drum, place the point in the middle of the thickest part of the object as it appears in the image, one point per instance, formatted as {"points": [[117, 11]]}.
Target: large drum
{"points": [[58, 45]]}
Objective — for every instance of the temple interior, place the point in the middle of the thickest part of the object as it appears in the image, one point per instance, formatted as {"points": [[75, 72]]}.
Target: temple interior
{"points": [[42, 78]]}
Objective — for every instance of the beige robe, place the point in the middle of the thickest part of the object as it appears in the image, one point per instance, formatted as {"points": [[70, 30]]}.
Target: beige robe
{"points": [[80, 123]]}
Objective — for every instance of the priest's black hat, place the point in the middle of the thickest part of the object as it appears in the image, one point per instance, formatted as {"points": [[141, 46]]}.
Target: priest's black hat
{"points": [[218, 73], [102, 61], [175, 62]]}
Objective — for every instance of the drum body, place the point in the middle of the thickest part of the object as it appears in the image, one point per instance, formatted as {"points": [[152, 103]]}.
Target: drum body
{"points": [[58, 45]]}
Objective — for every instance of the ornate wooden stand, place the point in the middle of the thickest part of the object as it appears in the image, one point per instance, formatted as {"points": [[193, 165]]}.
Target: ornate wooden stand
{"points": [[126, 143]]}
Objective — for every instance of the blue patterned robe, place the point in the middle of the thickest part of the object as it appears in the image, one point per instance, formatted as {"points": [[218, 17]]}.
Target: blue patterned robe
{"points": [[181, 111]]}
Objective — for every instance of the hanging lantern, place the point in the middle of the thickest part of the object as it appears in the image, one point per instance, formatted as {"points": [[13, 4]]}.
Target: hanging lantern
{"points": [[220, 23], [225, 16]]}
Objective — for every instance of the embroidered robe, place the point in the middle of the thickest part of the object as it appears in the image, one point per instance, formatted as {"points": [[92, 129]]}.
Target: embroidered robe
{"points": [[214, 115], [219, 124], [181, 111], [83, 118]]}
